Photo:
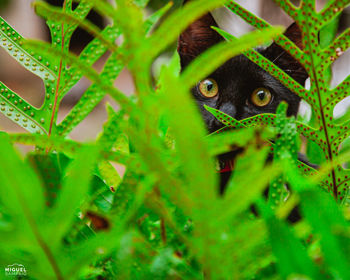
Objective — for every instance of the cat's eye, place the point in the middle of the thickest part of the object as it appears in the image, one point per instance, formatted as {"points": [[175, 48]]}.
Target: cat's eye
{"points": [[208, 88], [261, 97]]}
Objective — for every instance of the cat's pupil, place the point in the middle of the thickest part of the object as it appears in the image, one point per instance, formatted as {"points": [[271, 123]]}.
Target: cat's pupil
{"points": [[261, 95], [210, 85]]}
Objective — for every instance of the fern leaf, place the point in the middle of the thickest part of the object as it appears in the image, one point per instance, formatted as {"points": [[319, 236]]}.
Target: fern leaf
{"points": [[92, 96], [316, 61], [88, 71], [154, 18]]}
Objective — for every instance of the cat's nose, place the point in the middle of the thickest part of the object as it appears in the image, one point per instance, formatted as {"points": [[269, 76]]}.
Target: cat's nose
{"points": [[226, 108], [229, 109]]}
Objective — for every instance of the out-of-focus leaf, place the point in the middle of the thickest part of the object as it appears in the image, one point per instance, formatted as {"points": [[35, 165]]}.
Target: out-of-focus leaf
{"points": [[74, 190], [152, 20], [21, 190], [50, 168], [258, 180], [325, 217], [292, 258]]}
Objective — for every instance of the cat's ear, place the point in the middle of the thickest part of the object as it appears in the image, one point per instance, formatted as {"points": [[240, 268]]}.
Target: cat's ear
{"points": [[285, 61], [197, 38]]}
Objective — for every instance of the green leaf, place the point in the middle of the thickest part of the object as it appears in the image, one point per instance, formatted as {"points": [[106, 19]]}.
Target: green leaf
{"points": [[89, 55], [153, 19], [191, 150], [11, 104], [326, 219], [50, 168], [88, 71], [328, 32], [141, 3], [239, 181], [91, 97], [172, 26], [292, 257], [55, 14], [112, 130], [69, 147], [285, 148], [109, 174], [13, 44], [102, 195], [74, 189], [21, 191], [223, 142]]}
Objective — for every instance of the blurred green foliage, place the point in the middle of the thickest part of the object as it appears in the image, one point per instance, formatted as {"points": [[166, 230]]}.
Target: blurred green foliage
{"points": [[66, 212], [157, 4]]}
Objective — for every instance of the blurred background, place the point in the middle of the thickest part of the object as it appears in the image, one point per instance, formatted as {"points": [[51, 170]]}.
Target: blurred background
{"points": [[20, 14]]}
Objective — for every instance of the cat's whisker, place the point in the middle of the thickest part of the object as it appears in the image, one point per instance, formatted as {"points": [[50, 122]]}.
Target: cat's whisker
{"points": [[278, 57], [294, 71]]}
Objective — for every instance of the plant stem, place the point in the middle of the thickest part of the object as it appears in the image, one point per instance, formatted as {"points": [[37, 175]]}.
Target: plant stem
{"points": [[59, 75], [324, 124]]}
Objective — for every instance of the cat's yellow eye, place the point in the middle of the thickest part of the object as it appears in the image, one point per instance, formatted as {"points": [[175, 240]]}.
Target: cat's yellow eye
{"points": [[208, 88], [261, 97]]}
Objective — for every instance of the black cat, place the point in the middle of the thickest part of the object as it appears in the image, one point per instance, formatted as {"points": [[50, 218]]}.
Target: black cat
{"points": [[239, 87]]}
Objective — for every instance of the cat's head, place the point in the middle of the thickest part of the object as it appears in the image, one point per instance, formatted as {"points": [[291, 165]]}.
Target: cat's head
{"points": [[239, 87]]}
